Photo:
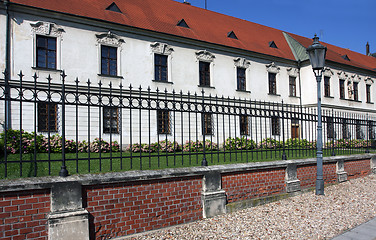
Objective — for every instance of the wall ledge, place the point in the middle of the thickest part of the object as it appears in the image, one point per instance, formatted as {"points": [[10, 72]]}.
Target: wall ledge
{"points": [[23, 184]]}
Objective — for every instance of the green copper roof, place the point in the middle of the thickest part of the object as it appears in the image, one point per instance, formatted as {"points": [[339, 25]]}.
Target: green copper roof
{"points": [[297, 49]]}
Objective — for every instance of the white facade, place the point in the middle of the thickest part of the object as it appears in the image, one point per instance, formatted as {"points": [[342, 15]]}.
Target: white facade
{"points": [[78, 53]]}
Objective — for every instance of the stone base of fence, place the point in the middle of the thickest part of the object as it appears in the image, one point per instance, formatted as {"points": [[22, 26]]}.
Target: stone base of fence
{"points": [[103, 206]]}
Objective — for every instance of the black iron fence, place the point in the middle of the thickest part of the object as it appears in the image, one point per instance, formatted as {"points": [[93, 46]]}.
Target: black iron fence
{"points": [[56, 126]]}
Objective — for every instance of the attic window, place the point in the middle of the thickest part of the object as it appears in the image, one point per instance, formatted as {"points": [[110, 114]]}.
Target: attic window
{"points": [[346, 57], [232, 35], [182, 23], [113, 7], [272, 44]]}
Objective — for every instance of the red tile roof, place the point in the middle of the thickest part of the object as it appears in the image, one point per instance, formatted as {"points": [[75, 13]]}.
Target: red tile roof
{"points": [[336, 54], [163, 16]]}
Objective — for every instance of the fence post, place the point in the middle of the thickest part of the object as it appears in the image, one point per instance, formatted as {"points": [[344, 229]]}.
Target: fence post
{"points": [[284, 157], [204, 162], [63, 171]]}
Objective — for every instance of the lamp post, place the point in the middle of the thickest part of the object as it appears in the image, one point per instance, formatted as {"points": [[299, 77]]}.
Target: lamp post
{"points": [[317, 53]]}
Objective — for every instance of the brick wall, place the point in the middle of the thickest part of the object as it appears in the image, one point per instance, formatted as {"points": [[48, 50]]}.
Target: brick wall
{"points": [[127, 208], [247, 185], [357, 169], [23, 215], [307, 174]]}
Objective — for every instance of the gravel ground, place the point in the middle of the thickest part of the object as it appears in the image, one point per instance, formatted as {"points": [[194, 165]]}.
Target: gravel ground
{"points": [[306, 216]]}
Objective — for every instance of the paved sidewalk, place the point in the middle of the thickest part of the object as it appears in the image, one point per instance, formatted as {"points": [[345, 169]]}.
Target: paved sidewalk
{"points": [[365, 231]]}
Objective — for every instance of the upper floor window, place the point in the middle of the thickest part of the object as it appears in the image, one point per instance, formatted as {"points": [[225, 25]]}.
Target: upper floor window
{"points": [[160, 67], [368, 93], [47, 38], [241, 80], [47, 117], [272, 83], [327, 86], [292, 84], [108, 60], [204, 73], [110, 120], [356, 91], [46, 52], [342, 89]]}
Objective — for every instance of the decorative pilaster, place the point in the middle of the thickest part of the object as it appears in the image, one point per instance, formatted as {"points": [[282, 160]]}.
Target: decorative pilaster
{"points": [[341, 174], [68, 219], [213, 196], [291, 179]]}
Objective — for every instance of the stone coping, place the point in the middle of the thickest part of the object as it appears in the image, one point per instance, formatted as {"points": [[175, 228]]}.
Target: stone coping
{"points": [[23, 184]]}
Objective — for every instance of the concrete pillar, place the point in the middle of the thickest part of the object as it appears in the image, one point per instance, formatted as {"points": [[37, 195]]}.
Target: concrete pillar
{"points": [[213, 196], [68, 219], [291, 179], [373, 165], [341, 174]]}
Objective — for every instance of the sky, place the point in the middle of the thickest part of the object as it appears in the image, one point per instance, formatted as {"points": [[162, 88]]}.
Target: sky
{"points": [[344, 23]]}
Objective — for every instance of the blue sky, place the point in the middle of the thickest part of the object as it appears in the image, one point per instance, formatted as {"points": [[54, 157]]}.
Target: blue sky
{"points": [[345, 23]]}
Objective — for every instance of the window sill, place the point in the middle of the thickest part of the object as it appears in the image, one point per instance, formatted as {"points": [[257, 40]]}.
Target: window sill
{"points": [[329, 97], [272, 94], [110, 76], [244, 91], [159, 81], [294, 96], [203, 86], [47, 69], [370, 102]]}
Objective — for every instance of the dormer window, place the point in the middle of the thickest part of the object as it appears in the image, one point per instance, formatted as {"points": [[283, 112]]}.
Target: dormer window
{"points": [[272, 44], [232, 35], [346, 57], [113, 7], [182, 23]]}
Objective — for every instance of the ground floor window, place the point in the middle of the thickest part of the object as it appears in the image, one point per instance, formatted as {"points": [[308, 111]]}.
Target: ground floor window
{"points": [[163, 118], [47, 117], [276, 127], [110, 120], [207, 124]]}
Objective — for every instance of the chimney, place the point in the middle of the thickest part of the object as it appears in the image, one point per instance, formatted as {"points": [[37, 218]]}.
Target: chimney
{"points": [[367, 49], [186, 2]]}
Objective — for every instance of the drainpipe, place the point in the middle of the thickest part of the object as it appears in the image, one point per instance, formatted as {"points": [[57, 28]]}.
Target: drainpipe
{"points": [[7, 72]]}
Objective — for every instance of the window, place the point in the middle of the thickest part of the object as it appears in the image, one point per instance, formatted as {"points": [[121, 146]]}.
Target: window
{"points": [[276, 128], [244, 125], [345, 130], [359, 132], [326, 86], [108, 60], [294, 128], [342, 89], [241, 78], [160, 67], [204, 73], [110, 120], [164, 126], [329, 127], [356, 92], [292, 83], [46, 52], [272, 83], [207, 124], [371, 130], [368, 93], [47, 117]]}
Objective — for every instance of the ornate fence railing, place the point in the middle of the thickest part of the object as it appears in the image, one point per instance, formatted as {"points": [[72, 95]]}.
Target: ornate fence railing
{"points": [[56, 126]]}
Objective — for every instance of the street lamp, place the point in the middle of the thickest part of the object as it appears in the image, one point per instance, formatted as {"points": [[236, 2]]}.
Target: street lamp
{"points": [[317, 53]]}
